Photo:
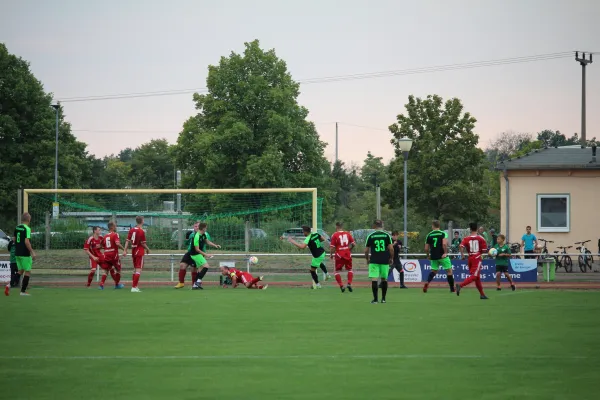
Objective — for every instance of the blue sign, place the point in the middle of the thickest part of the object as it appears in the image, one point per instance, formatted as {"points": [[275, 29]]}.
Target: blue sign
{"points": [[520, 270]]}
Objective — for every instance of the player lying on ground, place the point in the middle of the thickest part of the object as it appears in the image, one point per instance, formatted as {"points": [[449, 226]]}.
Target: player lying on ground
{"points": [[342, 244], [313, 242], [436, 248], [112, 263], [379, 252], [186, 260], [201, 239], [137, 238], [475, 246], [502, 261], [245, 277]]}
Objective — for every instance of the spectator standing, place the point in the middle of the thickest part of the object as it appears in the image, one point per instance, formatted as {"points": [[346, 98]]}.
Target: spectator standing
{"points": [[529, 243]]}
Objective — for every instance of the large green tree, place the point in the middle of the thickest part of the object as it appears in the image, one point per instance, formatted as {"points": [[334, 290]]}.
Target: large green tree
{"points": [[446, 168], [27, 138], [152, 165], [250, 131]]}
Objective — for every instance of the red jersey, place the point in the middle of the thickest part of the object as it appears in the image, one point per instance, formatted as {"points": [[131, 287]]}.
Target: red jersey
{"points": [[110, 243], [137, 237], [93, 245], [236, 272], [342, 241], [475, 245]]}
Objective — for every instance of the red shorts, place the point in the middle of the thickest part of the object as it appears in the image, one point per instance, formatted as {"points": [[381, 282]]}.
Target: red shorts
{"points": [[474, 265], [110, 263], [342, 262], [94, 264], [246, 278], [138, 261]]}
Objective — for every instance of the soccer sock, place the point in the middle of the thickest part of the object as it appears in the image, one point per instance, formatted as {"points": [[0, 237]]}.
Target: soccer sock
{"points": [[194, 275], [117, 277], [323, 268], [182, 276], [91, 277], [314, 275], [338, 279], [479, 286], [255, 281], [350, 277], [450, 281], [202, 273], [402, 277], [25, 283], [384, 286], [103, 280], [467, 281], [431, 276], [136, 279], [374, 288], [259, 287]]}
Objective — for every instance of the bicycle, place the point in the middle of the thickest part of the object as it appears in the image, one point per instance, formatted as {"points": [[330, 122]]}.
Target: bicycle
{"points": [[585, 259], [564, 261], [544, 251]]}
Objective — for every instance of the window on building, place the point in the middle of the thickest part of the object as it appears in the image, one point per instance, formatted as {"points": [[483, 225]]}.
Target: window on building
{"points": [[553, 213]]}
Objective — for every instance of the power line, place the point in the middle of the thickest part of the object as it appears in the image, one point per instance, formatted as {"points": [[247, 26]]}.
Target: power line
{"points": [[121, 131], [341, 78]]}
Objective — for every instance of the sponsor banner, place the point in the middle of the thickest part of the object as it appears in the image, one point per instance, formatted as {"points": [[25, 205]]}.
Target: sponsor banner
{"points": [[4, 271], [520, 270]]}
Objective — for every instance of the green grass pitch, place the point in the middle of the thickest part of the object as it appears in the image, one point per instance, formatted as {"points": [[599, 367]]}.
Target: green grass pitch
{"points": [[296, 343]]}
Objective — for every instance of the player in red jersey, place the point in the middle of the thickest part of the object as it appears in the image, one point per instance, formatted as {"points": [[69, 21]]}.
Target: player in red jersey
{"points": [[111, 245], [137, 238], [245, 277], [91, 247], [341, 244], [476, 246]]}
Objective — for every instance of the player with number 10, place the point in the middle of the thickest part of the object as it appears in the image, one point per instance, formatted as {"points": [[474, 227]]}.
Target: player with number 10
{"points": [[475, 246]]}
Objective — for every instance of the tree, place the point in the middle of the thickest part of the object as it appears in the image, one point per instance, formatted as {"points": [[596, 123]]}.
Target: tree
{"points": [[250, 131], [373, 171], [152, 165], [446, 167], [506, 145], [27, 138]]}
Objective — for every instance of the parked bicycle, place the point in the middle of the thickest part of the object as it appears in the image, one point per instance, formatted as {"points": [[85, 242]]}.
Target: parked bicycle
{"points": [[544, 251], [564, 261], [585, 259]]}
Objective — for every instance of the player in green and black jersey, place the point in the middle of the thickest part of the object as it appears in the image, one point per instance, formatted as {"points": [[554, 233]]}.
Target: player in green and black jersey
{"points": [[379, 252], [436, 248], [313, 242], [502, 262], [24, 252], [186, 260]]}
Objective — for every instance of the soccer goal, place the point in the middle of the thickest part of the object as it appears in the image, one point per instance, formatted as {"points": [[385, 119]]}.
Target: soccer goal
{"points": [[242, 221]]}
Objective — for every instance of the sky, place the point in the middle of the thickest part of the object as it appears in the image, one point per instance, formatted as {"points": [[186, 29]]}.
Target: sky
{"points": [[81, 48]]}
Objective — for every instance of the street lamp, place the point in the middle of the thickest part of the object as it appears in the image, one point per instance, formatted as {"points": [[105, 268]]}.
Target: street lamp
{"points": [[56, 108], [405, 144]]}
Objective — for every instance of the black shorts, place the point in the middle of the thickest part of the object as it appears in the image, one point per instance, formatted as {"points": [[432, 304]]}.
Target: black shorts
{"points": [[501, 268], [529, 253], [187, 259]]}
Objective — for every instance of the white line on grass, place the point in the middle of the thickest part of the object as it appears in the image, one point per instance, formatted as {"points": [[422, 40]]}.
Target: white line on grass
{"points": [[291, 357]]}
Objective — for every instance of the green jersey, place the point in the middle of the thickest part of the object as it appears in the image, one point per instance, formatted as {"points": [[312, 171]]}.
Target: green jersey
{"points": [[12, 249], [378, 243], [435, 240], [313, 241], [504, 260], [200, 242], [22, 232], [190, 241]]}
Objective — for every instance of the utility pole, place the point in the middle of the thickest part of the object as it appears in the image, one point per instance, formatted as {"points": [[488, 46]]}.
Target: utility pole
{"points": [[336, 142], [583, 62]]}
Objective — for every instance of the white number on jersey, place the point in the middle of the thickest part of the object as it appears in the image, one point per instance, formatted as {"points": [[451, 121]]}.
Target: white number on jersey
{"points": [[474, 246], [107, 240], [343, 240], [133, 237]]}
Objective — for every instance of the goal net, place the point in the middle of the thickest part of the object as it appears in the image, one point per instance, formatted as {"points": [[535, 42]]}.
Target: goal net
{"points": [[241, 221]]}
